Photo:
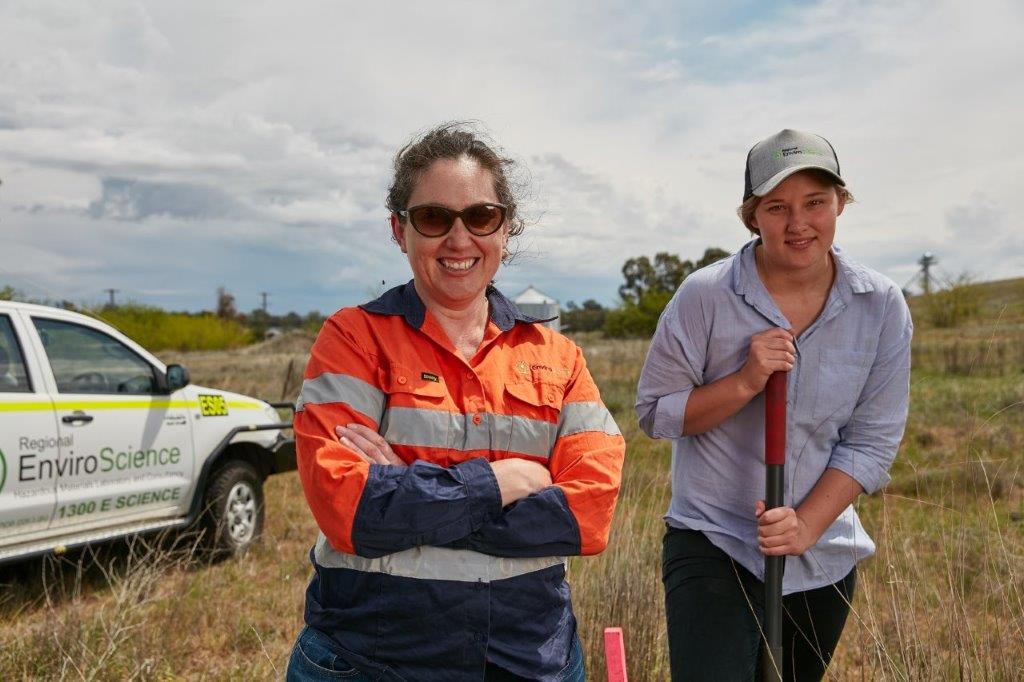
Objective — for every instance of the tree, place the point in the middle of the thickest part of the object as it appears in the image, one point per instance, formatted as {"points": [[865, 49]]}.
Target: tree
{"points": [[641, 275], [225, 304], [648, 288], [588, 317], [9, 293], [711, 255]]}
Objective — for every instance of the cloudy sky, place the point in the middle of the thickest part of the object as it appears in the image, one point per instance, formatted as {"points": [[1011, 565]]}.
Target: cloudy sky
{"points": [[165, 149]]}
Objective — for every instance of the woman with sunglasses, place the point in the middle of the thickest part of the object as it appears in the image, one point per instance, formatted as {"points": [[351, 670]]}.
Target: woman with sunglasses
{"points": [[452, 450], [789, 301]]}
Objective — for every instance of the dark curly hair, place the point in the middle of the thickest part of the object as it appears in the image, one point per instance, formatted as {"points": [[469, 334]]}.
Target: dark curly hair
{"points": [[453, 140]]}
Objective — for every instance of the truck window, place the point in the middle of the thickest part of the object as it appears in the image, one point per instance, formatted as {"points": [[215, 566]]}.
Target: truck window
{"points": [[13, 377], [85, 360]]}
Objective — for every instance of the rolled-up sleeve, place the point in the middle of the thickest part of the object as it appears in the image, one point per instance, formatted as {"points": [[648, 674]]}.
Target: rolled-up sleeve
{"points": [[674, 364], [869, 440]]}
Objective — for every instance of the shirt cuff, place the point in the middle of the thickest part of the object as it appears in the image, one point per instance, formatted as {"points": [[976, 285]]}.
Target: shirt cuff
{"points": [[668, 414], [871, 475], [483, 493]]}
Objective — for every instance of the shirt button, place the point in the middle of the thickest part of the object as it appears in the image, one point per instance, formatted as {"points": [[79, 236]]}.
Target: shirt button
{"points": [[551, 398], [470, 375], [477, 419]]}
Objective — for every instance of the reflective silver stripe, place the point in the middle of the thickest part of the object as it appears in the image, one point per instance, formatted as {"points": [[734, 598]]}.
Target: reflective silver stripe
{"points": [[342, 388], [439, 429], [586, 416], [532, 436], [434, 563]]}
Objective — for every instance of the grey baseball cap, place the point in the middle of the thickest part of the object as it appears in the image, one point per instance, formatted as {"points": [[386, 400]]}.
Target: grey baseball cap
{"points": [[774, 159]]}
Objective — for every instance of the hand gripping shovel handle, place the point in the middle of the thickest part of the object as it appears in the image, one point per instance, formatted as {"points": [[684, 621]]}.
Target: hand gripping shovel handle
{"points": [[775, 465]]}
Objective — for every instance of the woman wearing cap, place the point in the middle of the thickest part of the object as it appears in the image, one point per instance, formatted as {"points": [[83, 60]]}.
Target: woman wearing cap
{"points": [[452, 450], [788, 301]]}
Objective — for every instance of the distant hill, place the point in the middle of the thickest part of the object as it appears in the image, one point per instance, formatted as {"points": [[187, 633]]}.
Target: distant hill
{"points": [[986, 336]]}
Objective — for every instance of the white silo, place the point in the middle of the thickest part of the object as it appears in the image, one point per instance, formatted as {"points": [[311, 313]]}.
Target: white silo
{"points": [[538, 304]]}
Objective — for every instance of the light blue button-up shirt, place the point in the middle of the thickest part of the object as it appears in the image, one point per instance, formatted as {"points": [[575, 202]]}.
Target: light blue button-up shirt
{"points": [[847, 406]]}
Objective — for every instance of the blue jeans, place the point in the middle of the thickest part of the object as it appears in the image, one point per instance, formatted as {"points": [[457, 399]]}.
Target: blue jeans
{"points": [[315, 657]]}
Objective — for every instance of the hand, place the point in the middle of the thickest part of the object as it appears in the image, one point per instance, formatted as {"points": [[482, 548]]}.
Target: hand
{"points": [[368, 444], [781, 531], [770, 351], [519, 478]]}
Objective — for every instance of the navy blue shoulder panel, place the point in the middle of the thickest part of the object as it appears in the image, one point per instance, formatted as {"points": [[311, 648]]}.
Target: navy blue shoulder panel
{"points": [[401, 300], [505, 313]]}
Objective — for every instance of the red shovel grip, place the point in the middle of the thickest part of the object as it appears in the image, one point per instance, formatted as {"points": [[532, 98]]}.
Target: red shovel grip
{"points": [[775, 419]]}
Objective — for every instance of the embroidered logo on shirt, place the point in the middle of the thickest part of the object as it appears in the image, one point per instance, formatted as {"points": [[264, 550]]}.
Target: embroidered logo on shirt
{"points": [[523, 367], [427, 376]]}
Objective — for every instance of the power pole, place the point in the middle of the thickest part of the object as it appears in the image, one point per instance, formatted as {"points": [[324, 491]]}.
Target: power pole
{"points": [[264, 294], [111, 292], [926, 262]]}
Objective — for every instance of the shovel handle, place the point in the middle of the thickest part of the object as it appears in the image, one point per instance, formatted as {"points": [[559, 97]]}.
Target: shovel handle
{"points": [[775, 421], [774, 461]]}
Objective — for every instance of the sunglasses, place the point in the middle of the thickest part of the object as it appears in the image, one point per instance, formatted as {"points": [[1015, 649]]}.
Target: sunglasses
{"points": [[436, 221]]}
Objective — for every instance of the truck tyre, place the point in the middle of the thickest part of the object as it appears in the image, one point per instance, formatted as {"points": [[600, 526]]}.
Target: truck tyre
{"points": [[234, 509]]}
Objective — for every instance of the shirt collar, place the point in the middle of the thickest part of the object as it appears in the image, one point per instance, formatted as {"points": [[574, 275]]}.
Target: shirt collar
{"points": [[403, 300]]}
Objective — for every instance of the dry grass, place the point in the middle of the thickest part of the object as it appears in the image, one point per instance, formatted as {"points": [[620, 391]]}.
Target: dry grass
{"points": [[943, 598]]}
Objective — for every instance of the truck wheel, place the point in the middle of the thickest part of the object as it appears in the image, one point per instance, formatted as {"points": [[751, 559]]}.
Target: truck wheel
{"points": [[234, 508]]}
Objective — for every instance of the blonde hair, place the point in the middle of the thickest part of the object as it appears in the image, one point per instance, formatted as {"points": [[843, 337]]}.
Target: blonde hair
{"points": [[747, 208]]}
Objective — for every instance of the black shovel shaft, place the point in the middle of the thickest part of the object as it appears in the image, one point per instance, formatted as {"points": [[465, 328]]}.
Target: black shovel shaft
{"points": [[773, 566]]}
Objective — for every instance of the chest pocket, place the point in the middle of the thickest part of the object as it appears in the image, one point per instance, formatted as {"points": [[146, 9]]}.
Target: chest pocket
{"points": [[535, 405], [416, 413], [841, 377]]}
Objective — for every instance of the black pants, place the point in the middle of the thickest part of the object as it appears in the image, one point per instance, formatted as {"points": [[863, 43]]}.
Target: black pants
{"points": [[715, 610]]}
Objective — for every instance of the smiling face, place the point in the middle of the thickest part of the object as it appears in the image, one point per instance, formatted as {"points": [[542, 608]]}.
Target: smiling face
{"points": [[452, 271], [797, 222]]}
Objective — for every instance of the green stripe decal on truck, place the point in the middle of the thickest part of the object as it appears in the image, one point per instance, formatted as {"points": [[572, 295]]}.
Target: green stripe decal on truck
{"points": [[42, 406]]}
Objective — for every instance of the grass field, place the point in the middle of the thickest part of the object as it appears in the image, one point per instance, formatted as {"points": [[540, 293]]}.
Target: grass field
{"points": [[942, 599]]}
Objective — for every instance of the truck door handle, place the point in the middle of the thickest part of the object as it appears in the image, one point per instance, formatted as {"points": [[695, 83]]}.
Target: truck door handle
{"points": [[77, 417]]}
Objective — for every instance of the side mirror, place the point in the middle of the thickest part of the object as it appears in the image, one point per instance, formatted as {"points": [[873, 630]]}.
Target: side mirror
{"points": [[177, 377]]}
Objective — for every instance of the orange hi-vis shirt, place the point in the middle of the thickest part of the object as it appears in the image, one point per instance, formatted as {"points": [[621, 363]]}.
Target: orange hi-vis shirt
{"points": [[405, 530]]}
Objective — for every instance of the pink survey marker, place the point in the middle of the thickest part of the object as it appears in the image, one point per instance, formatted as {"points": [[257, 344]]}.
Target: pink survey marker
{"points": [[615, 654]]}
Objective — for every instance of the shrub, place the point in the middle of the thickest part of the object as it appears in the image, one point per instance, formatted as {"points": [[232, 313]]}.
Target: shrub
{"points": [[957, 301], [156, 329], [637, 319]]}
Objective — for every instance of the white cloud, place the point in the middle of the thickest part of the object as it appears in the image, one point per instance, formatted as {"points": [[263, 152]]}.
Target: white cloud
{"points": [[266, 129]]}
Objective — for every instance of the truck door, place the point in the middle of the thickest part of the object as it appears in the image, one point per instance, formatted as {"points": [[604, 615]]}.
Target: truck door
{"points": [[126, 448], [29, 443]]}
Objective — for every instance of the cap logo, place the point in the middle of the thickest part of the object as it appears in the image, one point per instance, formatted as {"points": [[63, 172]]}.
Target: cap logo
{"points": [[792, 151]]}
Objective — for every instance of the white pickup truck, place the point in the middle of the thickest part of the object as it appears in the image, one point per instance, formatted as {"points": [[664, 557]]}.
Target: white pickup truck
{"points": [[98, 440]]}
